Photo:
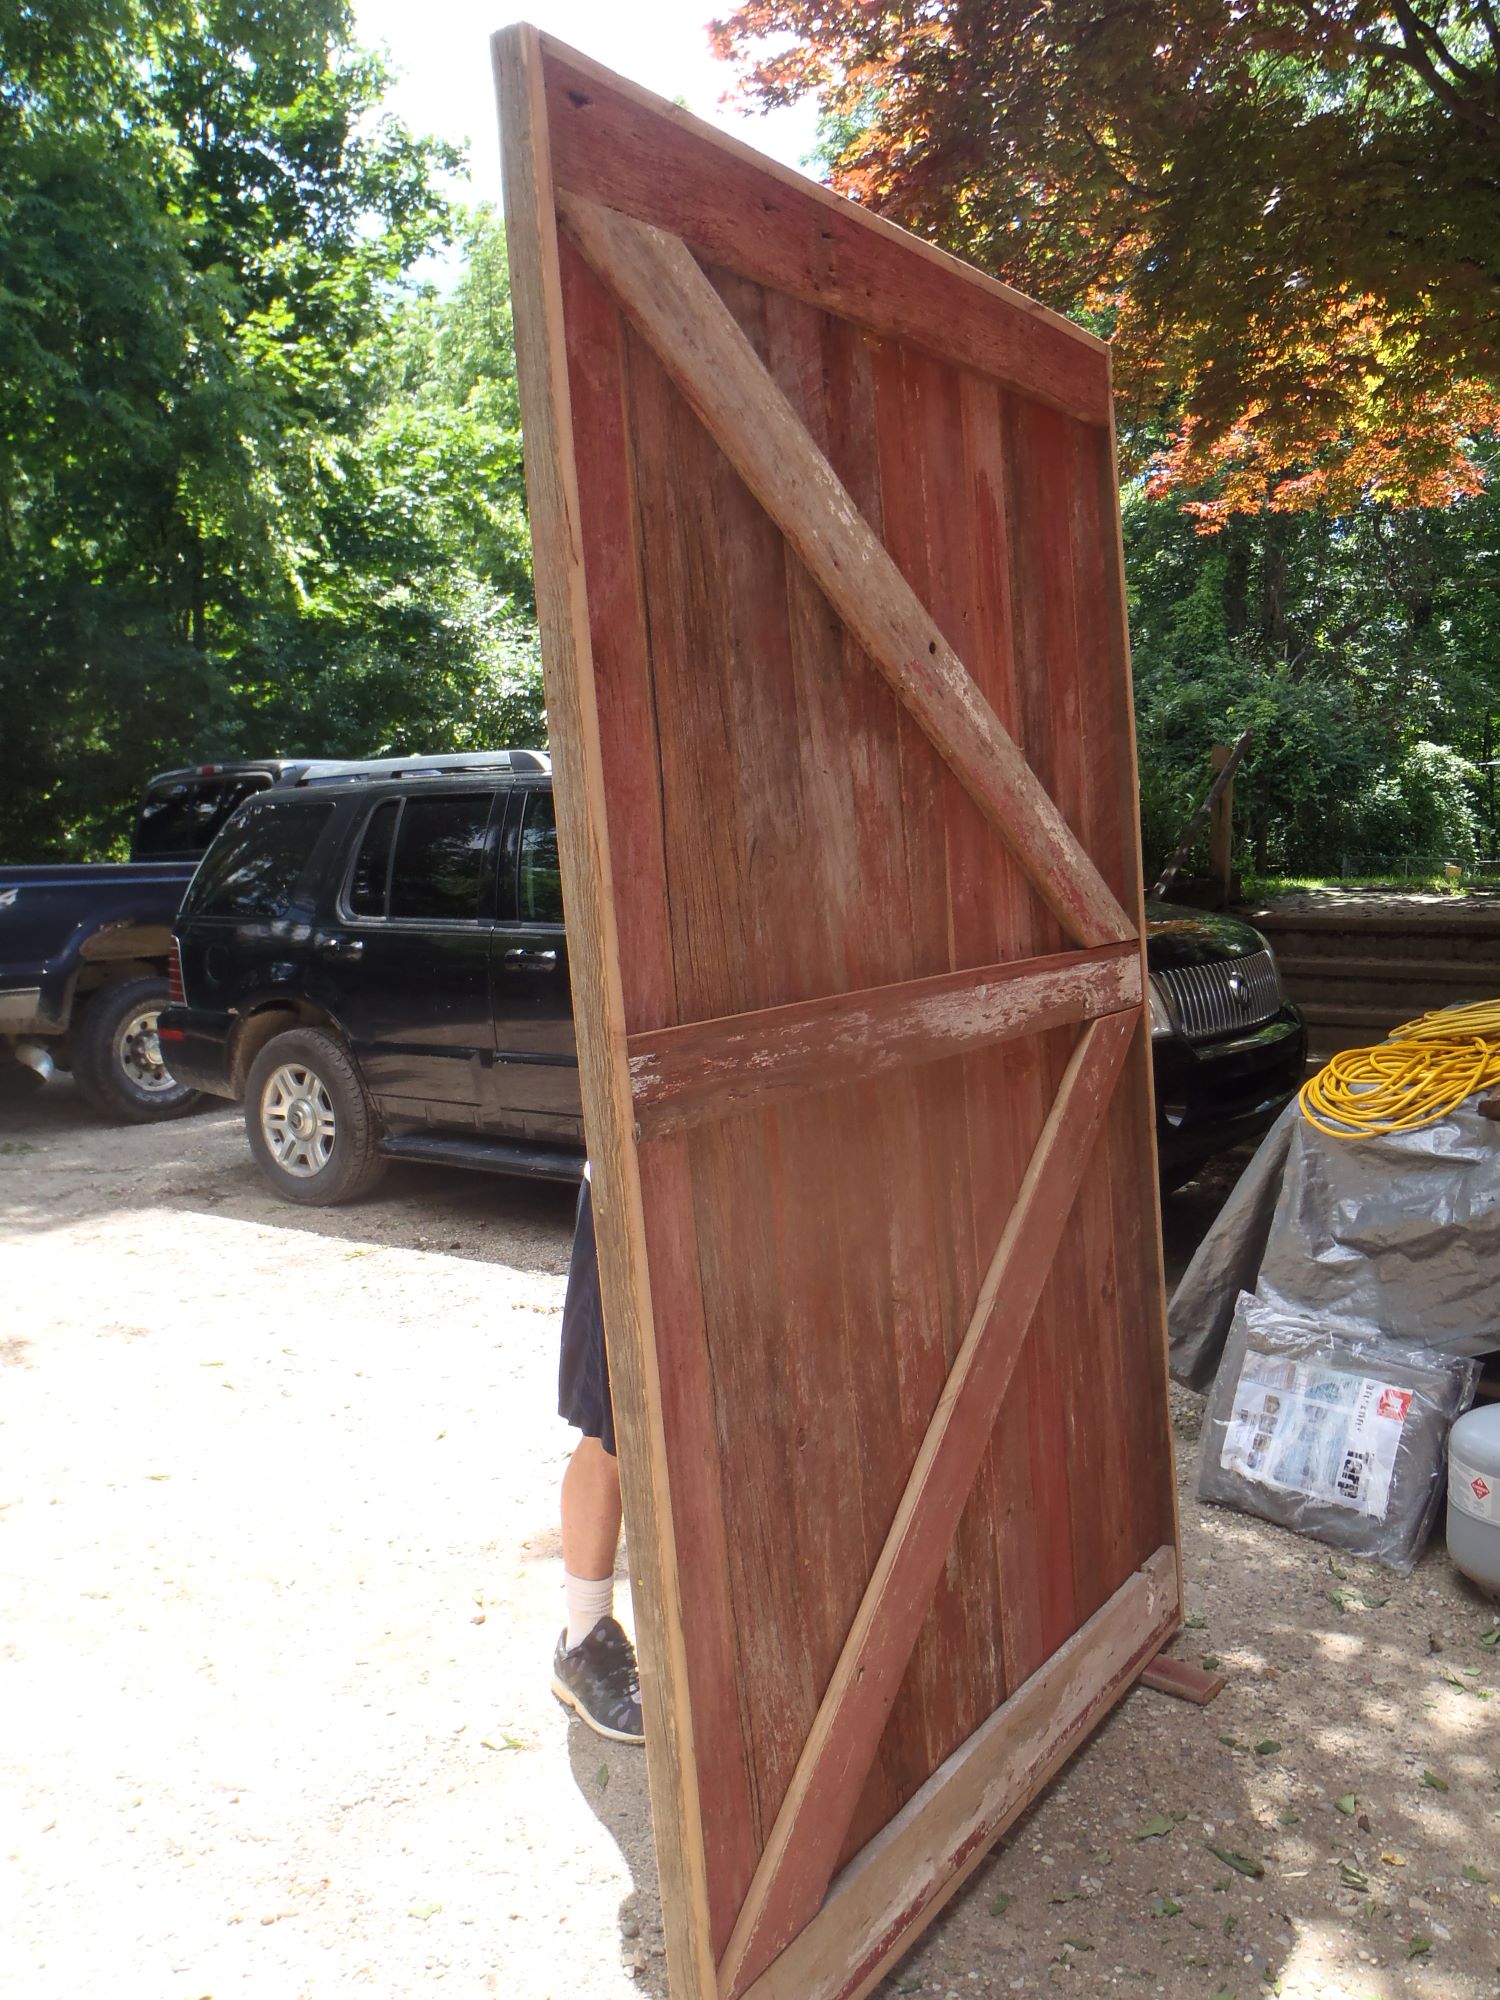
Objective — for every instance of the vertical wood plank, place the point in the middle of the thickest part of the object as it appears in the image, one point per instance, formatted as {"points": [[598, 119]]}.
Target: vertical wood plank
{"points": [[626, 706], [1148, 1437], [1012, 1093], [562, 607], [903, 384]]}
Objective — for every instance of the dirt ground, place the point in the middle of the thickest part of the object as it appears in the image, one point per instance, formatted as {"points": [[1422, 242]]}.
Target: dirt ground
{"points": [[279, 1581]]}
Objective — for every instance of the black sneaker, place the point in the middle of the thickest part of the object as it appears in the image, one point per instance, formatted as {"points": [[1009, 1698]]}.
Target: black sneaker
{"points": [[597, 1679]]}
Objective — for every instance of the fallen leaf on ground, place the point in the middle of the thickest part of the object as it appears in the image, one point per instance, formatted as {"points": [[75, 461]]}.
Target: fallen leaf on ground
{"points": [[1393, 1860], [1242, 1864], [1418, 1946], [1267, 1747], [1347, 1804], [999, 1904], [1473, 1874], [1157, 1825], [601, 1777], [1165, 1906], [422, 1911], [1195, 1621], [1433, 1782]]}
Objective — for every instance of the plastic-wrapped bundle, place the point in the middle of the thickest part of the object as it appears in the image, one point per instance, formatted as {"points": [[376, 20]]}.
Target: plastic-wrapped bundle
{"points": [[1397, 1236], [1333, 1434]]}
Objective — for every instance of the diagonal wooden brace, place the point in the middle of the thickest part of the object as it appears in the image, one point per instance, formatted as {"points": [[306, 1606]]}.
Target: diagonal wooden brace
{"points": [[798, 1862], [703, 349]]}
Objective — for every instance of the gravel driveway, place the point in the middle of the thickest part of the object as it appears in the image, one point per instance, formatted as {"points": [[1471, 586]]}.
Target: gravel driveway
{"points": [[279, 1580]]}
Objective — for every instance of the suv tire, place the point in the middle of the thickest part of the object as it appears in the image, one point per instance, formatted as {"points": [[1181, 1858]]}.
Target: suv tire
{"points": [[310, 1125], [117, 1061]]}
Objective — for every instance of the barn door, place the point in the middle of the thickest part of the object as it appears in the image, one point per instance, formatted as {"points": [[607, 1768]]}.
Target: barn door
{"points": [[828, 570]]}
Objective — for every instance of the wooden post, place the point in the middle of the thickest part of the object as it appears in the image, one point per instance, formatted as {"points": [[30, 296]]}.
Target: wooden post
{"points": [[1223, 779], [1221, 828]]}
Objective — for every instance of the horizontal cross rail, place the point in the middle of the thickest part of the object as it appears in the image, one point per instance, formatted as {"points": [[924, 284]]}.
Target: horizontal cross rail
{"points": [[709, 1069]]}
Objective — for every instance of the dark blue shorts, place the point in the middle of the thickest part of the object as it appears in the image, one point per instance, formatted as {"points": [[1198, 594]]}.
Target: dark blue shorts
{"points": [[583, 1398]]}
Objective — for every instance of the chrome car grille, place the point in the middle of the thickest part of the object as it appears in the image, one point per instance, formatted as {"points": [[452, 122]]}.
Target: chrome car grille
{"points": [[1218, 999]]}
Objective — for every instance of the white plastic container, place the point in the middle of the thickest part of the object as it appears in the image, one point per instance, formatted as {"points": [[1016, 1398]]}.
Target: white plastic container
{"points": [[1474, 1496]]}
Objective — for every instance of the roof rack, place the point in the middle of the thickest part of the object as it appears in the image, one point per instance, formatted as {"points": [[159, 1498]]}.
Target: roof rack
{"points": [[455, 763]]}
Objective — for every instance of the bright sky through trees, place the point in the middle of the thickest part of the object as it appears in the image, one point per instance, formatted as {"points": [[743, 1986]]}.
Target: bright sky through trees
{"points": [[440, 49]]}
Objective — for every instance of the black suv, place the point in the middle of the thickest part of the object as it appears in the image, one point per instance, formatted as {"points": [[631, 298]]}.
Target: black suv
{"points": [[373, 957]]}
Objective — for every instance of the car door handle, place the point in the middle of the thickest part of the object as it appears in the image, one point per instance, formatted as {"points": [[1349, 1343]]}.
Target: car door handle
{"points": [[531, 961], [342, 947]]}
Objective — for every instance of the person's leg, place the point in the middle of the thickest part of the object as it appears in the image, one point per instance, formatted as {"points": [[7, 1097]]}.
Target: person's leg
{"points": [[590, 1536], [593, 1669]]}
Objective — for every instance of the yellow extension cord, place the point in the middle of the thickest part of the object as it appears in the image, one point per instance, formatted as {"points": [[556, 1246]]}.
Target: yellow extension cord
{"points": [[1425, 1070]]}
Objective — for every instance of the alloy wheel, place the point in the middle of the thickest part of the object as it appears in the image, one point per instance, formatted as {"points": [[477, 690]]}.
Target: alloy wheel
{"points": [[297, 1120]]}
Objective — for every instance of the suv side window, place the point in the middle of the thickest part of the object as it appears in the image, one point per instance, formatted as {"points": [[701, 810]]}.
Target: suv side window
{"points": [[370, 876], [438, 866], [254, 866], [540, 900]]}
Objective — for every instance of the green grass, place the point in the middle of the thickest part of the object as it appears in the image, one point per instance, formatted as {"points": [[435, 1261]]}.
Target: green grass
{"points": [[1258, 887]]}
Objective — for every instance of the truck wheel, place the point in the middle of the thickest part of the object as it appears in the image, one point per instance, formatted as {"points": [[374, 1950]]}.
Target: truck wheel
{"points": [[310, 1125], [117, 1059]]}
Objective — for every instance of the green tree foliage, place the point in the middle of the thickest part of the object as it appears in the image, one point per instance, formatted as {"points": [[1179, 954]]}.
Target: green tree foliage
{"points": [[256, 495], [1364, 651]]}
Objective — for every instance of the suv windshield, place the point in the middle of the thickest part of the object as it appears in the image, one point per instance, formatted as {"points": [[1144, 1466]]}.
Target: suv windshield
{"points": [[178, 819], [255, 866]]}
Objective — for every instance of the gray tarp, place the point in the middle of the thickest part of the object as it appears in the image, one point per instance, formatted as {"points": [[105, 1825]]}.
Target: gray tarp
{"points": [[1397, 1236]]}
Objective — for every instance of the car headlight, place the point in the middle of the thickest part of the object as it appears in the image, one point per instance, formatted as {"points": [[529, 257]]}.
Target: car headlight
{"points": [[1162, 1024]]}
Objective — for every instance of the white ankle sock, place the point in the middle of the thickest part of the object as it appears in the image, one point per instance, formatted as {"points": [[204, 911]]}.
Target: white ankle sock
{"points": [[588, 1600]]}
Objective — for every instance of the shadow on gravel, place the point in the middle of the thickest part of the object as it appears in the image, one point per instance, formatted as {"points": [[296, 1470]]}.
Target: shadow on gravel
{"points": [[61, 1163], [486, 1218], [611, 1780]]}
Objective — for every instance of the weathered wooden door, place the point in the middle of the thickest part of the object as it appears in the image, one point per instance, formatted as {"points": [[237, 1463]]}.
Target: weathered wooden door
{"points": [[828, 567]]}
